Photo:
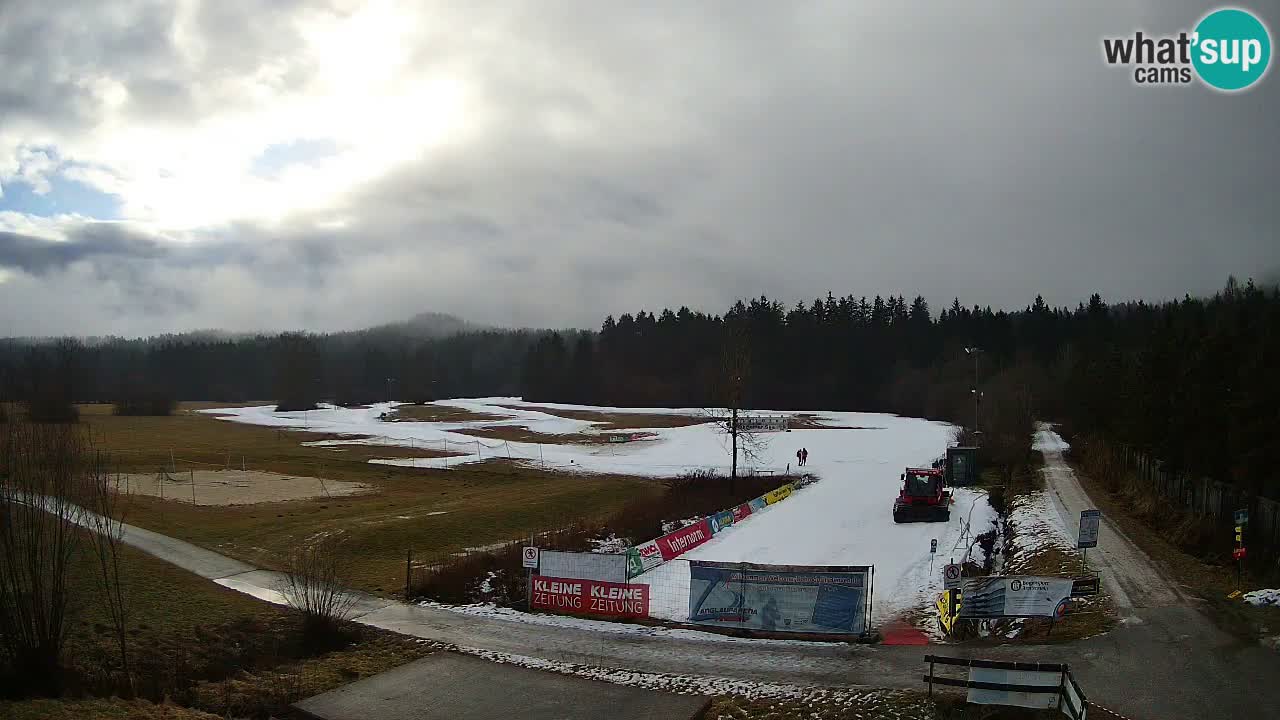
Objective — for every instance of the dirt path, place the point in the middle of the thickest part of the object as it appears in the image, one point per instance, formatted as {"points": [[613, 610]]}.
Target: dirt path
{"points": [[1167, 659], [1129, 574]]}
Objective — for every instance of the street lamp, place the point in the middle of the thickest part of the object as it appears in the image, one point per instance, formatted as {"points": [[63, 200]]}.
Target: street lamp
{"points": [[974, 352], [389, 381]]}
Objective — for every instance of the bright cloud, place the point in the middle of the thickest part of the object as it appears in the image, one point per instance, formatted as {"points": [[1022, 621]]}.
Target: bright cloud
{"points": [[357, 161]]}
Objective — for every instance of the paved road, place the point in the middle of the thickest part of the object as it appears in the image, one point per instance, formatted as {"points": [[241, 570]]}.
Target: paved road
{"points": [[446, 686], [1166, 661]]}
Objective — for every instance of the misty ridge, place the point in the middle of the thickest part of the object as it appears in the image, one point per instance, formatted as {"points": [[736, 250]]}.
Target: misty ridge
{"points": [[1190, 381]]}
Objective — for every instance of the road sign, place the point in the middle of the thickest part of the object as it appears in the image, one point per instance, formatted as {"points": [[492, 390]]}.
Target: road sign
{"points": [[933, 545], [1089, 521], [530, 557], [951, 576], [1238, 553], [1242, 517], [1083, 587]]}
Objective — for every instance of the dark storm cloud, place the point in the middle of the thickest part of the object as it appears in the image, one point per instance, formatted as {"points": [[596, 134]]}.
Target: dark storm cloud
{"points": [[648, 155], [38, 256]]}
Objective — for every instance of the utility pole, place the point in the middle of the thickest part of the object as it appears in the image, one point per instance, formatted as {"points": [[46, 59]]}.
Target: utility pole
{"points": [[973, 352]]}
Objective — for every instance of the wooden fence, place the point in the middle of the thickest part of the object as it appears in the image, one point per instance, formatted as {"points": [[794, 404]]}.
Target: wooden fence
{"points": [[1205, 497]]}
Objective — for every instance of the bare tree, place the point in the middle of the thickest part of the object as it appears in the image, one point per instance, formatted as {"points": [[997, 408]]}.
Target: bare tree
{"points": [[41, 484], [106, 521], [733, 376], [315, 584]]}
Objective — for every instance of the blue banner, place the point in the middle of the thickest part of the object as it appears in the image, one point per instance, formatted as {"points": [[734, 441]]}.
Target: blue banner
{"points": [[758, 504], [780, 598], [721, 520]]}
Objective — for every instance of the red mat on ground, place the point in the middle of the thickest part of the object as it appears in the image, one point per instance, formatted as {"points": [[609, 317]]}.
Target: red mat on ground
{"points": [[900, 633]]}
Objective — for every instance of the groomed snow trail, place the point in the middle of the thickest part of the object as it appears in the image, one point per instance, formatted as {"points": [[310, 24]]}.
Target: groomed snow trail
{"points": [[844, 519]]}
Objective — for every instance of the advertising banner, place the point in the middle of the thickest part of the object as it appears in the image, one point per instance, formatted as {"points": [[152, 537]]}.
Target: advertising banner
{"points": [[741, 512], [758, 504], [589, 597], [779, 598], [643, 558], [1014, 596], [776, 496], [721, 520], [681, 541], [584, 565]]}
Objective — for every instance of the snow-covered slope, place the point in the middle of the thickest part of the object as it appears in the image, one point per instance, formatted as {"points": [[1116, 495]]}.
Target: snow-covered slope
{"points": [[845, 519]]}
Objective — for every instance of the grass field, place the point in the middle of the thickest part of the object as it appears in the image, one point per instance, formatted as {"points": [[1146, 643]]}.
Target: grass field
{"points": [[439, 413], [621, 420], [201, 645], [429, 511]]}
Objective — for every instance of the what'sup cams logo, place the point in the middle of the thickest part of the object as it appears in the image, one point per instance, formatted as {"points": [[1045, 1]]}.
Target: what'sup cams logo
{"points": [[1229, 50]]}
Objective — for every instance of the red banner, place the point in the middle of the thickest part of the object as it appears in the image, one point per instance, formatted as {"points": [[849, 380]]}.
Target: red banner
{"points": [[741, 512], [685, 539], [589, 597]]}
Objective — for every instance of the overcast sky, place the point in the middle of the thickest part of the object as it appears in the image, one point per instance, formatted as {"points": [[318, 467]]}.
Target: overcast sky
{"points": [[268, 164]]}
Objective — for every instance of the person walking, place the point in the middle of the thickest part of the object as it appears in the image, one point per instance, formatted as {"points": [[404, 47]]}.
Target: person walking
{"points": [[804, 454], [800, 458]]}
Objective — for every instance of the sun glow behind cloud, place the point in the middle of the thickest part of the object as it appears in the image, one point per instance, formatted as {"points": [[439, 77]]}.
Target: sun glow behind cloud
{"points": [[363, 97]]}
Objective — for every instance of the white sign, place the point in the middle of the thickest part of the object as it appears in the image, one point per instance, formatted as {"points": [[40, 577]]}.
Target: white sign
{"points": [[1045, 700], [530, 557], [1015, 596], [951, 577], [758, 423], [1089, 521], [605, 567]]}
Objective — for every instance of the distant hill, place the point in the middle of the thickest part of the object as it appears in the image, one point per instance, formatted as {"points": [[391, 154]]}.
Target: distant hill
{"points": [[423, 326]]}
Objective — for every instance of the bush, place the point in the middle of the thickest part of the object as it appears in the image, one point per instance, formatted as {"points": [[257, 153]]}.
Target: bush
{"points": [[51, 408], [316, 585], [146, 402]]}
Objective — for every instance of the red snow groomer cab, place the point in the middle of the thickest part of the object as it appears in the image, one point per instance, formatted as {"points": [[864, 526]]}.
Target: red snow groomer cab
{"points": [[923, 497]]}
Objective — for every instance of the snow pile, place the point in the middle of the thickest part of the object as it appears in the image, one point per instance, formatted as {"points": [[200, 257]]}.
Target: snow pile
{"points": [[1037, 524], [1263, 598], [1046, 440], [851, 699]]}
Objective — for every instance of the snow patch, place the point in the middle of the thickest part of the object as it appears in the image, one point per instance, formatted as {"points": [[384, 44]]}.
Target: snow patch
{"points": [[489, 610], [1263, 598]]}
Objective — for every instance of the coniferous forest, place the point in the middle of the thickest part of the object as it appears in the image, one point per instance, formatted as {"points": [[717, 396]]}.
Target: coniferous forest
{"points": [[1193, 382]]}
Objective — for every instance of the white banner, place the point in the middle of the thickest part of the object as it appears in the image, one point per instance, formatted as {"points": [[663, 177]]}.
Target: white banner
{"points": [[583, 566], [643, 557], [1014, 596], [1043, 701]]}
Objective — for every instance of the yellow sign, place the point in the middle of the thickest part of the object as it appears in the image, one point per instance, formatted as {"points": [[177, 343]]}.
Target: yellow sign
{"points": [[948, 609], [778, 495]]}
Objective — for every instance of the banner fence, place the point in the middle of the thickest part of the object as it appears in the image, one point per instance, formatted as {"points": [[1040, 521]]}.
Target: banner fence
{"points": [[817, 600]]}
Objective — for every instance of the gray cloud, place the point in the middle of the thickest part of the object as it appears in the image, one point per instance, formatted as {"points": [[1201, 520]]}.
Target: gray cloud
{"points": [[712, 151]]}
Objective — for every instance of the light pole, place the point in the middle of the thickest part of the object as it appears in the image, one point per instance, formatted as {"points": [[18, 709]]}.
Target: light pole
{"points": [[973, 352], [389, 381]]}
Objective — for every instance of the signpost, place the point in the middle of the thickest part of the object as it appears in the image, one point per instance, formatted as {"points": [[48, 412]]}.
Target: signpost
{"points": [[1088, 535], [933, 549], [951, 576], [1242, 518], [530, 558]]}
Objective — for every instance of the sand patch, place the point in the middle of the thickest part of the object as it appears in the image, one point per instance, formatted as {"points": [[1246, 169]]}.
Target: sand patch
{"points": [[235, 487]]}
